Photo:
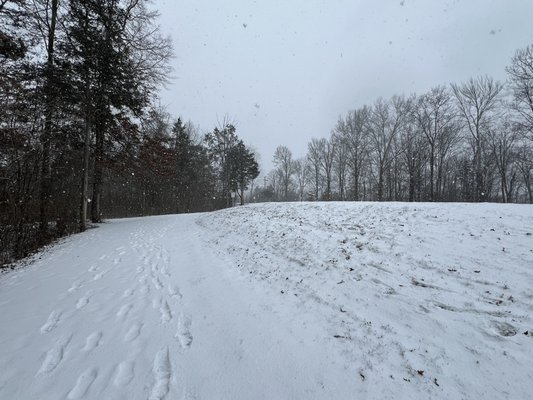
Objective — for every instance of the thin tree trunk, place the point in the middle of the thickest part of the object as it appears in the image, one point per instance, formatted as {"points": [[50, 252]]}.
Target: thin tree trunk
{"points": [[86, 157], [431, 174], [46, 140], [85, 177], [98, 176]]}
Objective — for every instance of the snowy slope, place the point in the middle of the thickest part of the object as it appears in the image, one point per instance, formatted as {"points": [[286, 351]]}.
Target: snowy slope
{"points": [[278, 301], [394, 289]]}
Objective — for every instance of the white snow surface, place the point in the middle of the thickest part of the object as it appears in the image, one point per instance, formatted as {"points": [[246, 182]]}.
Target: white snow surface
{"points": [[278, 301]]}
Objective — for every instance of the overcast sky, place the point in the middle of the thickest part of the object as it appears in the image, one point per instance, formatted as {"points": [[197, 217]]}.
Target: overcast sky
{"points": [[285, 70]]}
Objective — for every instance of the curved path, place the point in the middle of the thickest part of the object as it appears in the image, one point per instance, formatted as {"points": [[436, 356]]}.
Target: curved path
{"points": [[142, 308]]}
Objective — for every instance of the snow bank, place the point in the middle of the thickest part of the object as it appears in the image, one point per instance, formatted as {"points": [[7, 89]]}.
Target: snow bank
{"points": [[419, 300]]}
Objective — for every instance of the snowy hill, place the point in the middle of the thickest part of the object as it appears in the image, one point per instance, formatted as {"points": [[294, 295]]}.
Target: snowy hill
{"points": [[278, 301]]}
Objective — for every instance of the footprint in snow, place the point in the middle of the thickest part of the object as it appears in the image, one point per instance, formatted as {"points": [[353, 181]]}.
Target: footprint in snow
{"points": [[162, 372], [98, 276], [156, 302], [166, 314], [124, 311], [134, 332], [84, 382], [53, 356], [174, 291], [184, 331], [75, 286], [51, 322], [125, 373], [83, 301], [128, 292], [157, 283], [93, 341]]}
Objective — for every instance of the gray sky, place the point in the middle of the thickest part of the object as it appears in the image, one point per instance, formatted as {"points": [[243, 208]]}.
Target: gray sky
{"points": [[285, 70]]}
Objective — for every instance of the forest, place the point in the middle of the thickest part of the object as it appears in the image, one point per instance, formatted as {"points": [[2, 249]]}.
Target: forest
{"points": [[82, 134], [467, 142]]}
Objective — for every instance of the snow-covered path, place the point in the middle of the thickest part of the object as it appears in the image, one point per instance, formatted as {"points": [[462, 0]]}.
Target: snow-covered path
{"points": [[141, 309], [278, 301]]}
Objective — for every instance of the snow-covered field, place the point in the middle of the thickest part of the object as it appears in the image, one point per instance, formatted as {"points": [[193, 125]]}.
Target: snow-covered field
{"points": [[279, 301]]}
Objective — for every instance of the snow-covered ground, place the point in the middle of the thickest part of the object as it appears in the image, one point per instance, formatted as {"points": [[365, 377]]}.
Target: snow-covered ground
{"points": [[279, 301]]}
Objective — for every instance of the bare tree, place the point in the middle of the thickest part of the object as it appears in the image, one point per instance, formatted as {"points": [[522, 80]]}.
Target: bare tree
{"points": [[340, 162], [328, 155], [284, 164], [301, 173], [521, 78], [503, 141], [314, 156], [414, 154], [388, 117], [524, 163], [477, 100], [435, 116], [353, 129]]}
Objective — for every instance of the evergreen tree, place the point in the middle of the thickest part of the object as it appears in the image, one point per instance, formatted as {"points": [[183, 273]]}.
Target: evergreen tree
{"points": [[241, 168]]}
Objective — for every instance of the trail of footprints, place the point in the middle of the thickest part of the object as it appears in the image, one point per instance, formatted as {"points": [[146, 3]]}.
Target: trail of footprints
{"points": [[125, 370], [162, 371], [84, 382], [54, 356]]}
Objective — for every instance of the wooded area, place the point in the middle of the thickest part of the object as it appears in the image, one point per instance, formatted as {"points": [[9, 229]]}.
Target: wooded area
{"points": [[81, 132], [464, 142], [82, 136]]}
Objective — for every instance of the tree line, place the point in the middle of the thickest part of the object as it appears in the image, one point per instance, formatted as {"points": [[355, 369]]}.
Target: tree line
{"points": [[470, 142], [81, 135]]}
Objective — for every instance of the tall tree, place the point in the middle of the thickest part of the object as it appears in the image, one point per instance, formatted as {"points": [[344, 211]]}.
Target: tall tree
{"points": [[219, 142], [284, 164], [45, 16], [503, 142], [242, 168], [414, 151], [388, 118], [109, 42], [353, 129], [315, 153], [329, 150], [521, 78], [477, 101], [435, 116], [340, 162], [301, 172]]}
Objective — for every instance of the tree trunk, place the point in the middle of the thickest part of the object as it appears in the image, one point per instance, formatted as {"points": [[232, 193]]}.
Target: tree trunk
{"points": [[46, 139], [380, 184], [85, 177], [96, 215], [356, 183], [431, 174], [480, 194], [86, 157]]}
